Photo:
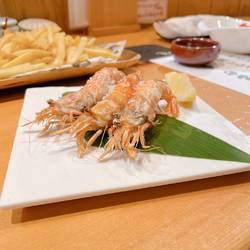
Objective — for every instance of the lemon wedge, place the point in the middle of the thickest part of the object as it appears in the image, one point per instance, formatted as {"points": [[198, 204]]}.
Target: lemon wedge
{"points": [[181, 86]]}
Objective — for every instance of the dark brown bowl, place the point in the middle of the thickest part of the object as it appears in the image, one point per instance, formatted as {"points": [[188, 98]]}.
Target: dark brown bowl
{"points": [[195, 51]]}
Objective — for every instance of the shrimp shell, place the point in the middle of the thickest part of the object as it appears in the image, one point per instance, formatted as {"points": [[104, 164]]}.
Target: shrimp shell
{"points": [[138, 115], [101, 115], [63, 112], [93, 91]]}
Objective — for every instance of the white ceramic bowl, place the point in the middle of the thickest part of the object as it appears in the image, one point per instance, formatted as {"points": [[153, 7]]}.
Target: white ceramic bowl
{"points": [[35, 23], [216, 22], [236, 39]]}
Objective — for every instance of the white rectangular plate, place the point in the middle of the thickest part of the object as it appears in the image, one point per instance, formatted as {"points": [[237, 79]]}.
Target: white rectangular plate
{"points": [[44, 170]]}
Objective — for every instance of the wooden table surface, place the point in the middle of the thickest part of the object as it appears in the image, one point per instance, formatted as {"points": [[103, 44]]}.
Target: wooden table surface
{"points": [[212, 213]]}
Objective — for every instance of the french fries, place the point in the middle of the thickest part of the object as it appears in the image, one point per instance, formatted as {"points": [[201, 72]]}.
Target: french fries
{"points": [[95, 51], [18, 69], [74, 57], [26, 58], [60, 49], [22, 52]]}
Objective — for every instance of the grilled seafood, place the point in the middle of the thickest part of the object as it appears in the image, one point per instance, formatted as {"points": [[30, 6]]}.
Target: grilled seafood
{"points": [[63, 111], [138, 115], [123, 106], [101, 116]]}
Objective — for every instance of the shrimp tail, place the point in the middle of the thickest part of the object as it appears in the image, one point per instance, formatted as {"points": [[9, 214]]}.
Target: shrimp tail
{"points": [[172, 108]]}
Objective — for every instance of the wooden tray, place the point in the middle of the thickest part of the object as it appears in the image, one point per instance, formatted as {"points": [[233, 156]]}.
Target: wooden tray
{"points": [[127, 59]]}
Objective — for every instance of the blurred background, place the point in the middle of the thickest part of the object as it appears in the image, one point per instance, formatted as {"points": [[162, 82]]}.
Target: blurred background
{"points": [[103, 17]]}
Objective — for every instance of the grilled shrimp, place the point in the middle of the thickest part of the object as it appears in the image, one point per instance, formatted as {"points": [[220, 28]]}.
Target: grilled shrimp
{"points": [[68, 107], [138, 115], [102, 114]]}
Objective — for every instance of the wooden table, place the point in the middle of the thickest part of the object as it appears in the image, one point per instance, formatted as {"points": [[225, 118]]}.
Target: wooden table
{"points": [[205, 214]]}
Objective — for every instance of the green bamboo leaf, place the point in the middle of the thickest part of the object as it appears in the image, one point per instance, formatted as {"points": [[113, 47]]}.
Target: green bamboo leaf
{"points": [[175, 137]]}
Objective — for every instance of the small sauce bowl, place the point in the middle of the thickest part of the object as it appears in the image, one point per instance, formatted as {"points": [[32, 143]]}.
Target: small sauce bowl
{"points": [[195, 51]]}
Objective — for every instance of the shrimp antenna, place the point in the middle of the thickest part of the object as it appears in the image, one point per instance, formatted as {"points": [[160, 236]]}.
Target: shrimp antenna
{"points": [[28, 122], [159, 149], [103, 134]]}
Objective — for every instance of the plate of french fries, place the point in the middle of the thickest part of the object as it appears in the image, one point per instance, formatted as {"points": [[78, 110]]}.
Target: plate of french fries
{"points": [[47, 54]]}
